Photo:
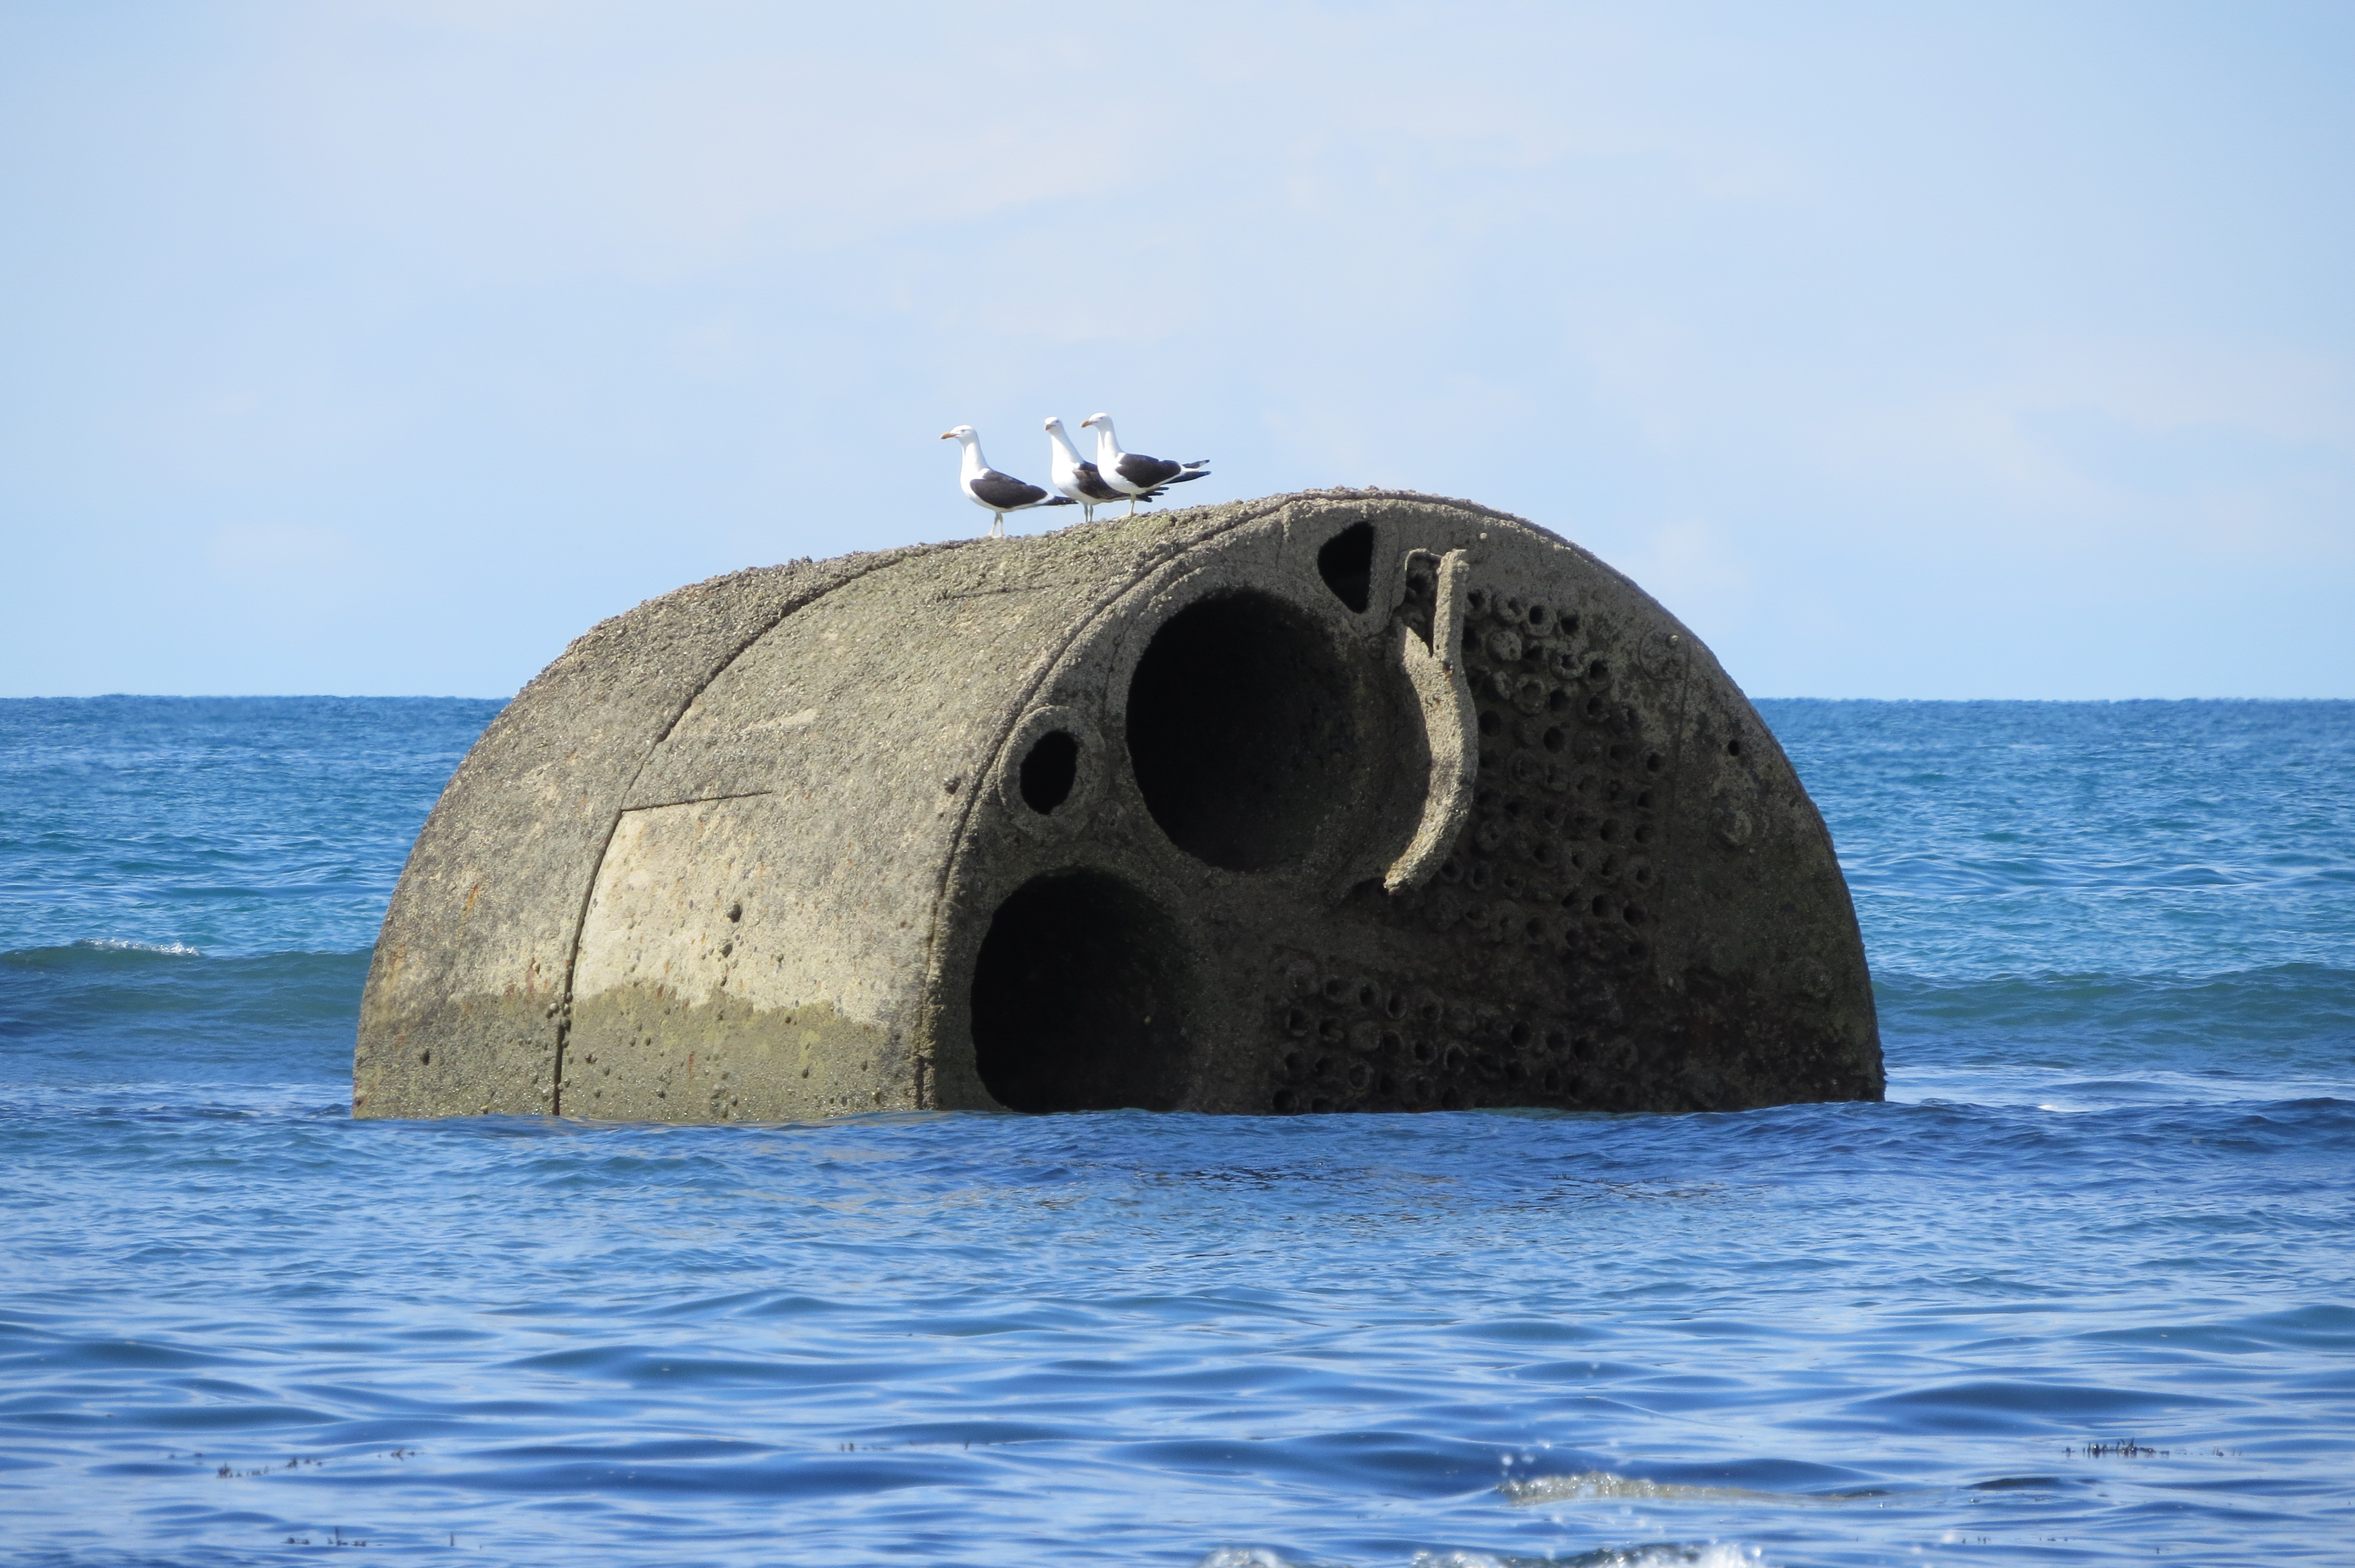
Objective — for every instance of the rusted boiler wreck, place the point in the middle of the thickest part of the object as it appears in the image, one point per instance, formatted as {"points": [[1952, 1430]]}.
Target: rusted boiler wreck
{"points": [[1332, 801]]}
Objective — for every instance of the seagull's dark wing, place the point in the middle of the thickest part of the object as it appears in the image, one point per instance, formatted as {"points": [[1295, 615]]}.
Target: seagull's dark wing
{"points": [[1146, 472], [1188, 473], [1091, 481], [1003, 492]]}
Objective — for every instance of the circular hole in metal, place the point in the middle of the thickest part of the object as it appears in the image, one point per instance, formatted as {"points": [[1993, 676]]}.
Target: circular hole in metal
{"points": [[1049, 768], [1076, 998], [1241, 730]]}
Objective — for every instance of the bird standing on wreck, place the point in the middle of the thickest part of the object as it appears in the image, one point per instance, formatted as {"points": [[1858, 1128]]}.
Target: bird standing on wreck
{"points": [[995, 492], [1134, 475], [1075, 475]]}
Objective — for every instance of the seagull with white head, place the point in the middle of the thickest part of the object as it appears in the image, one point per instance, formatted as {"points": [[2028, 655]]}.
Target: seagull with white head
{"points": [[1075, 475], [1134, 475], [995, 492]]}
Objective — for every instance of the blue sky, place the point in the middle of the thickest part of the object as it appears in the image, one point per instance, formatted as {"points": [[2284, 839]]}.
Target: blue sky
{"points": [[1975, 350]]}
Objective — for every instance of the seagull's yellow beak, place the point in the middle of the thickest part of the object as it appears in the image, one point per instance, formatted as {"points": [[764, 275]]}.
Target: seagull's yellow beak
{"points": [[1085, 423], [948, 435]]}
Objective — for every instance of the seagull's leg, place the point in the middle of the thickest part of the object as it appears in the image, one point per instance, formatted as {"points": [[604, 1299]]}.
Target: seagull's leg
{"points": [[997, 524]]}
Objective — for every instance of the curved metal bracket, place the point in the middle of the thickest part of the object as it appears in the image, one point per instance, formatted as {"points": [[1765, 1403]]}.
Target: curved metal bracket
{"points": [[1451, 727]]}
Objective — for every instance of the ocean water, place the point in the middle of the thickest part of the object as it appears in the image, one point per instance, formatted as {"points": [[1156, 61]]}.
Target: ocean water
{"points": [[2082, 1291]]}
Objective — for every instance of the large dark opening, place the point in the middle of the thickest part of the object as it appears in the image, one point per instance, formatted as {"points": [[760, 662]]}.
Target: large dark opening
{"points": [[1077, 998], [1346, 564], [1241, 730]]}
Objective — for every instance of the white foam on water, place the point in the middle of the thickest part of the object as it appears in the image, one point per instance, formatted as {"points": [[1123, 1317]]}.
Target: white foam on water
{"points": [[115, 945], [1603, 1486], [1712, 1554]]}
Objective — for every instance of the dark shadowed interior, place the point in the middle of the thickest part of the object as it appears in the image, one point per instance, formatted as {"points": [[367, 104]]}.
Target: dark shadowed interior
{"points": [[1241, 730], [1346, 564], [1049, 769], [1078, 999]]}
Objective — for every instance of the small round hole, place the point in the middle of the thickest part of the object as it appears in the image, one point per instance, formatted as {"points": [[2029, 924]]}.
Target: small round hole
{"points": [[1049, 770]]}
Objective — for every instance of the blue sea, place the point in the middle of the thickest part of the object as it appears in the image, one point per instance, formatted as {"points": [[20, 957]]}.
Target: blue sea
{"points": [[2082, 1290]]}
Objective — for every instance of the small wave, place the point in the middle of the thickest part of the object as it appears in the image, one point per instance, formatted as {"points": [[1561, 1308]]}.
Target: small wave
{"points": [[2062, 1092], [1603, 1486], [1660, 1554], [1606, 1486], [2092, 1039], [115, 945]]}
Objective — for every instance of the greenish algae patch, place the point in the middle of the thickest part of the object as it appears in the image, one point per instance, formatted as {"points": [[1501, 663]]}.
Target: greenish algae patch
{"points": [[639, 1053]]}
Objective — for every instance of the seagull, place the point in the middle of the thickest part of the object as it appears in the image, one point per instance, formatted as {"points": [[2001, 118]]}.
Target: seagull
{"points": [[995, 492], [1075, 475], [1133, 474]]}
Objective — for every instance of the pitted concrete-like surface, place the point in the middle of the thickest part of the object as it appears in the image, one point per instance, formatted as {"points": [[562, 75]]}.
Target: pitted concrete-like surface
{"points": [[1338, 800]]}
